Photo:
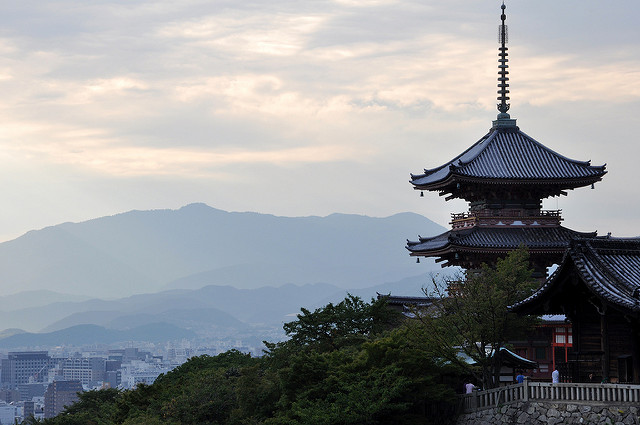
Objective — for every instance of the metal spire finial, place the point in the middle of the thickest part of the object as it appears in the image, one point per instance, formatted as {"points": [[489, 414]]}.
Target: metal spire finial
{"points": [[503, 66]]}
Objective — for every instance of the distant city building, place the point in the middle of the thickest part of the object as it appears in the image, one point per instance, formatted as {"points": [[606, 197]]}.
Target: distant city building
{"points": [[88, 370], [129, 354], [29, 409], [9, 413], [60, 394], [24, 367], [9, 396], [112, 374], [146, 377], [138, 371], [29, 391]]}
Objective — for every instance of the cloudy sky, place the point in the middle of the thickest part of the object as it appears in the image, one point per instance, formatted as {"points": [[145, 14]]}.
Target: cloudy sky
{"points": [[302, 107]]}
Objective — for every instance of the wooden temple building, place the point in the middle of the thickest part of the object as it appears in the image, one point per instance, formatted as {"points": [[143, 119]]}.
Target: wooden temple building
{"points": [[504, 177], [597, 287]]}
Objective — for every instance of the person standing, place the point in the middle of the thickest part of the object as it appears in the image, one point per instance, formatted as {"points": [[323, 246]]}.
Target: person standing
{"points": [[555, 376], [468, 388], [520, 378]]}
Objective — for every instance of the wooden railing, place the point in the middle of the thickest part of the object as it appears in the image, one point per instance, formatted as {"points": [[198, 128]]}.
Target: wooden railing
{"points": [[505, 217], [546, 391], [512, 213]]}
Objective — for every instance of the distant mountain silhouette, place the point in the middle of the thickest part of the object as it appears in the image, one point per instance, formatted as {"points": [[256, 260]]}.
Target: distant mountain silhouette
{"points": [[35, 298], [200, 309], [222, 311], [195, 246], [92, 334]]}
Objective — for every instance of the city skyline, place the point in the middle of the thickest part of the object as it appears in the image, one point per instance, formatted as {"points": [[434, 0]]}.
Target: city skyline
{"points": [[302, 109]]}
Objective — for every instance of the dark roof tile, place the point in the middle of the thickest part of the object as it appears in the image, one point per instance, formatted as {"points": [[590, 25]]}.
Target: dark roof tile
{"points": [[505, 239], [609, 267], [510, 155]]}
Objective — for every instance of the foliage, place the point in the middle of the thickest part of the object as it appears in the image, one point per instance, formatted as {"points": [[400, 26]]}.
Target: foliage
{"points": [[343, 364], [471, 316], [349, 322]]}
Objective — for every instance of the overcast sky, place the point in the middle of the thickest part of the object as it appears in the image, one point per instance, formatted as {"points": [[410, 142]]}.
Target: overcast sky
{"points": [[303, 107]]}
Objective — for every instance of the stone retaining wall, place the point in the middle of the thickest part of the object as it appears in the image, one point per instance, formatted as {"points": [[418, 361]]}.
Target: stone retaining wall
{"points": [[549, 413]]}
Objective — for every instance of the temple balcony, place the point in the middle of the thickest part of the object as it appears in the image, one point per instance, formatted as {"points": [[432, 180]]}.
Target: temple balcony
{"points": [[506, 217]]}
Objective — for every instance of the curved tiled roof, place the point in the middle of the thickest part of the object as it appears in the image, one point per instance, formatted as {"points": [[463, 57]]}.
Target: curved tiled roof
{"points": [[402, 300], [507, 155], [503, 239], [609, 268]]}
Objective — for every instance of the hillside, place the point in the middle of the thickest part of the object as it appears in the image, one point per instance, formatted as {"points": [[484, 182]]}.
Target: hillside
{"points": [[195, 246]]}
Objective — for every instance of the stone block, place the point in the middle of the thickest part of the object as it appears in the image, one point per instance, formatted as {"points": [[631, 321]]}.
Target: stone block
{"points": [[585, 409], [553, 413], [593, 418], [572, 407], [523, 418]]}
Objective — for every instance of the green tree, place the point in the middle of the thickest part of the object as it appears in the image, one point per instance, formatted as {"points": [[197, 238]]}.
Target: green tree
{"points": [[345, 364], [350, 322], [471, 315]]}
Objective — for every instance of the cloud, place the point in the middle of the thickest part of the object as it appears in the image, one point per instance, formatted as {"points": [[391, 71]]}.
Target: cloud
{"points": [[209, 91], [241, 36], [547, 80]]}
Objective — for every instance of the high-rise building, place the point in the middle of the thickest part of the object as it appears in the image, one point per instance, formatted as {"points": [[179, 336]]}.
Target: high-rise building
{"points": [[25, 367], [112, 374], [60, 394], [88, 370]]}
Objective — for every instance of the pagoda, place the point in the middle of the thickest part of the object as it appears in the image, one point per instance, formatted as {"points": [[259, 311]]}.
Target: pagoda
{"points": [[504, 177]]}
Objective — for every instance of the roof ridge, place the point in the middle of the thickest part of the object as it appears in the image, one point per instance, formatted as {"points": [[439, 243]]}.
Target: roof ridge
{"points": [[448, 163], [613, 282]]}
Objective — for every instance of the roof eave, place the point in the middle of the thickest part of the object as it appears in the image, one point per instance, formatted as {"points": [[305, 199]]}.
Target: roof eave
{"points": [[444, 185]]}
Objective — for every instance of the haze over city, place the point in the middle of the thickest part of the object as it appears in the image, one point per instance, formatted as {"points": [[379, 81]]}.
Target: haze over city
{"points": [[306, 108]]}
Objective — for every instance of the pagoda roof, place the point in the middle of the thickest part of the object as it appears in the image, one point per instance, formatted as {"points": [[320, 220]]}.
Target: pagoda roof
{"points": [[608, 267], [506, 155], [491, 239], [405, 300]]}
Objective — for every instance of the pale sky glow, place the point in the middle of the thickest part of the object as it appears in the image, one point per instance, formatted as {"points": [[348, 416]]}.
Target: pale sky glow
{"points": [[110, 106]]}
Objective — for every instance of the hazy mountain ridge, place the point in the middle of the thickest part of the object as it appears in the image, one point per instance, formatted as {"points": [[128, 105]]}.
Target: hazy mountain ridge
{"points": [[36, 298], [93, 334], [233, 271], [145, 251], [237, 310]]}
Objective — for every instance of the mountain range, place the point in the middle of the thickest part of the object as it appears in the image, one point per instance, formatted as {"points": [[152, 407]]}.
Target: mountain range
{"points": [[195, 246], [196, 271]]}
